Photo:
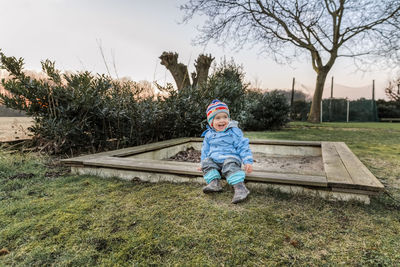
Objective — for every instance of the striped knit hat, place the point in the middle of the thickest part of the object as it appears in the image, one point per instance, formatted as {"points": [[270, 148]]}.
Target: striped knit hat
{"points": [[215, 108]]}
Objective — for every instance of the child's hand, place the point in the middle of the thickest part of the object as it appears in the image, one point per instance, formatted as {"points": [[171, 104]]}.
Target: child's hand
{"points": [[199, 168], [248, 168]]}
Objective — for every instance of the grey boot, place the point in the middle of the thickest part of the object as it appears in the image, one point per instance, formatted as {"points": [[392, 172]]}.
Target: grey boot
{"points": [[213, 186], [241, 192]]}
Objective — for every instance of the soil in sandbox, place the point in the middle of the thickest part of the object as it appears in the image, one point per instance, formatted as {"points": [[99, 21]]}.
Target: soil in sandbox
{"points": [[190, 155], [265, 162]]}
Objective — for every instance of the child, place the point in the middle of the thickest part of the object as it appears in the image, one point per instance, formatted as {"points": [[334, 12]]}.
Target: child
{"points": [[223, 151]]}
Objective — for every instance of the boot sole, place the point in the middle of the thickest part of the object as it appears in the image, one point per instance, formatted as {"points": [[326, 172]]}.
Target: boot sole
{"points": [[208, 191], [241, 199]]}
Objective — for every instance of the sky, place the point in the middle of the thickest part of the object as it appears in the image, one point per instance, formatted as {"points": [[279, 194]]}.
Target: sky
{"points": [[134, 33]]}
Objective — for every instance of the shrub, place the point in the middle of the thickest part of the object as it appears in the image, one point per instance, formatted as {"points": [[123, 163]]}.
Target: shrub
{"points": [[265, 111], [300, 110], [182, 113], [81, 111], [75, 110], [388, 109], [226, 83]]}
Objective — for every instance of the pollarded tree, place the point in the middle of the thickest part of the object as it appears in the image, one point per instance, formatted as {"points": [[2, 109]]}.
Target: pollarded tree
{"points": [[180, 71], [286, 29]]}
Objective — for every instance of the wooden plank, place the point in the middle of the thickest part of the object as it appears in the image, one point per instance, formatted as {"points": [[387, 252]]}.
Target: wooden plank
{"points": [[285, 142], [287, 178], [355, 191], [79, 160], [295, 171], [168, 143], [150, 147], [336, 172], [360, 174], [273, 142], [127, 151], [145, 165], [186, 168]]}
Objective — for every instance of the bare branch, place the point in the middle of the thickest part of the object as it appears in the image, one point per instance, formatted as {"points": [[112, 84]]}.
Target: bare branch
{"points": [[102, 55]]}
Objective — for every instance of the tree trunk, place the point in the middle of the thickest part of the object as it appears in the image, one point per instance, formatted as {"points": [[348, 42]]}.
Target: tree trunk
{"points": [[178, 70], [202, 65], [315, 111]]}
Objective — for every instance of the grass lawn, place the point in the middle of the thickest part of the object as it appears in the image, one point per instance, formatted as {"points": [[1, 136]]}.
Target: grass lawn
{"points": [[50, 217]]}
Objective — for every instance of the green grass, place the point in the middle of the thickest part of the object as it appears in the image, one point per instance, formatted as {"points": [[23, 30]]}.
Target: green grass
{"points": [[49, 217]]}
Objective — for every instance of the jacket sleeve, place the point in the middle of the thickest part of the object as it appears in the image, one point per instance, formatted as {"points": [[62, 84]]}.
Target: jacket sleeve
{"points": [[242, 147], [205, 148]]}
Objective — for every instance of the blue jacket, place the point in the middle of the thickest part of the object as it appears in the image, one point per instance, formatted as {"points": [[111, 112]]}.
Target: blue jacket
{"points": [[230, 143]]}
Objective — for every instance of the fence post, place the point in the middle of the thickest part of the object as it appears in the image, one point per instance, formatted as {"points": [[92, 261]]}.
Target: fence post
{"points": [[321, 112], [373, 90], [330, 101], [348, 107], [373, 106], [291, 100]]}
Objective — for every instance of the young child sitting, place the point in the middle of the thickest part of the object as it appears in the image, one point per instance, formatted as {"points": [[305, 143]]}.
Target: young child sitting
{"points": [[223, 151]]}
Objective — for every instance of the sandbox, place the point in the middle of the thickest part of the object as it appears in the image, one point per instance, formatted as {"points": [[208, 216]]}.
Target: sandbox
{"points": [[326, 169]]}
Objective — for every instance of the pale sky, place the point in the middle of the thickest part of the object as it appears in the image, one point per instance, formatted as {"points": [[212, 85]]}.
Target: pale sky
{"points": [[135, 33]]}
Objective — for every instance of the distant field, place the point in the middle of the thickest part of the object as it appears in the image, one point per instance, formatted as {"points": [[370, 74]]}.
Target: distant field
{"points": [[14, 128]]}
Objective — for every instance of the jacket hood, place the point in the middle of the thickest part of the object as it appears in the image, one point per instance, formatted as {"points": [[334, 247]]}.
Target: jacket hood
{"points": [[232, 124]]}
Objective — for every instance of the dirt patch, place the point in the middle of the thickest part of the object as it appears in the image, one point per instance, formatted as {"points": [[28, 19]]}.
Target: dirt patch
{"points": [[265, 162], [22, 176], [15, 128], [190, 155], [56, 168]]}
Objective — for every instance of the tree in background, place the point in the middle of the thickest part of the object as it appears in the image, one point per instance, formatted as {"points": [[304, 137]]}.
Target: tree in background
{"points": [[322, 29], [392, 90]]}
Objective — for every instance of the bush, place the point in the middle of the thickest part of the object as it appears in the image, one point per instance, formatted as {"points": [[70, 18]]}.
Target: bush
{"points": [[300, 110], [81, 111], [182, 113], [76, 111], [388, 109], [226, 83], [265, 111]]}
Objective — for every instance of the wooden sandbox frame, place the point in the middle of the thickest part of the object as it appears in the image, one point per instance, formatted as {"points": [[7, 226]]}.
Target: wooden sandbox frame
{"points": [[344, 176]]}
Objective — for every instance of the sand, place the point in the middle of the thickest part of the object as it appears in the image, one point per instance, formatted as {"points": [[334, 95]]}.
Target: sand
{"points": [[312, 165]]}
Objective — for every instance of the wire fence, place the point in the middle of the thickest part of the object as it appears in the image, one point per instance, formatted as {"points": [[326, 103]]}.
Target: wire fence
{"points": [[340, 103]]}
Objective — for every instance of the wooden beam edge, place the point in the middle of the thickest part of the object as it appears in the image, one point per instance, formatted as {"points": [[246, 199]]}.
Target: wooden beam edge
{"points": [[273, 142], [190, 169], [364, 168], [330, 175]]}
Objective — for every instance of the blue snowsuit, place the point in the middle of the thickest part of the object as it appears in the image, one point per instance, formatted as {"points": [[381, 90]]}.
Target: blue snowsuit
{"points": [[225, 152]]}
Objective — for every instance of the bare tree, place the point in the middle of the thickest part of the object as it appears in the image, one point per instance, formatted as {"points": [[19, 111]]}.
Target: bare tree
{"points": [[393, 90], [323, 30], [180, 71], [202, 65]]}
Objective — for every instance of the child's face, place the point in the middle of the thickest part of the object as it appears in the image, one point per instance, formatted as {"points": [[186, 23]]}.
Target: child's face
{"points": [[220, 121]]}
